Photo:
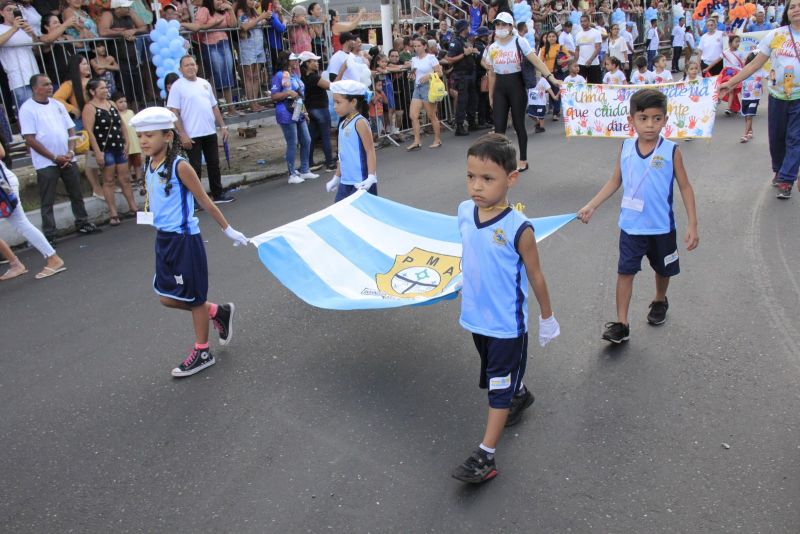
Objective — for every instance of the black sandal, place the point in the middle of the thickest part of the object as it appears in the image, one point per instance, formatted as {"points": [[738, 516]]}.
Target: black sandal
{"points": [[527, 166], [114, 221]]}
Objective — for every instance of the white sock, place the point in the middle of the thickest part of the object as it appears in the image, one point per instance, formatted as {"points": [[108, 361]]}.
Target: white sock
{"points": [[488, 450]]}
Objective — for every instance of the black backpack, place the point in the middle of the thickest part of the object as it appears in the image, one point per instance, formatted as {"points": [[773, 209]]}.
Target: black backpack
{"points": [[528, 70]]}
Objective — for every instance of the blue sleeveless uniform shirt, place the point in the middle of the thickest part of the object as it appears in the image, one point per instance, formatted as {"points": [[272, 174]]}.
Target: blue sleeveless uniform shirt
{"points": [[173, 212], [494, 299], [352, 156], [648, 178]]}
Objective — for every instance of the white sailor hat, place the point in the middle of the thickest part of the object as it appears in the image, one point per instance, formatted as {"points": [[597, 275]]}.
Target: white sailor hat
{"points": [[153, 118], [348, 87]]}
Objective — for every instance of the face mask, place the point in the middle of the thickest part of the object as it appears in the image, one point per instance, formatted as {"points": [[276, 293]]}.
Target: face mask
{"points": [[559, 6], [501, 33]]}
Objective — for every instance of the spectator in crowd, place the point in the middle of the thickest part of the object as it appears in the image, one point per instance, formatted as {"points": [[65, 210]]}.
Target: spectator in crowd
{"points": [[316, 102], [557, 57], [760, 24], [423, 65], [338, 27], [19, 221], [340, 67], [287, 90], [275, 30], [477, 16], [215, 48], [192, 100], [105, 66], [678, 41], [444, 34], [108, 138], [251, 48], [587, 44], [16, 54], [710, 45], [317, 21], [460, 55], [299, 31], [180, 10], [56, 48], [47, 128], [123, 24], [84, 27], [566, 39], [31, 16], [78, 75]]}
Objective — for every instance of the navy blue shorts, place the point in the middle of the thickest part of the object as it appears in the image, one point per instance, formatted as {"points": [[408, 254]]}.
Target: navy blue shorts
{"points": [[661, 250], [537, 112], [502, 366], [181, 268], [749, 108], [345, 191]]}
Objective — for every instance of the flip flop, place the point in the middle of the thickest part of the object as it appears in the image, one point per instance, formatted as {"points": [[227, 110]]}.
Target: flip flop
{"points": [[744, 139], [436, 145], [13, 274], [413, 147], [525, 168], [49, 271], [114, 221]]}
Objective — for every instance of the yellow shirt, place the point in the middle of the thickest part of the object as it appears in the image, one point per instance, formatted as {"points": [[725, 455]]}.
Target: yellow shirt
{"points": [[133, 139]]}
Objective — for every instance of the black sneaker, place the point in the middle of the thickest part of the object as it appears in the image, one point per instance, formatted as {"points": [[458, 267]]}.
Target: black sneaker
{"points": [[519, 404], [617, 333], [476, 469], [224, 198], [331, 167], [223, 322], [196, 361], [315, 166], [784, 190], [658, 312], [89, 228], [539, 129]]}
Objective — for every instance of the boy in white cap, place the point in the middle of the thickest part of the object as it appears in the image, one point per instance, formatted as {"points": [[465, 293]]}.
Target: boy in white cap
{"points": [[181, 277], [357, 161]]}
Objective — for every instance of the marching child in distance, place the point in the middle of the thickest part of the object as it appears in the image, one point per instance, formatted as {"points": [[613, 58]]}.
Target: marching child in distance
{"points": [[357, 165], [499, 257], [646, 168]]}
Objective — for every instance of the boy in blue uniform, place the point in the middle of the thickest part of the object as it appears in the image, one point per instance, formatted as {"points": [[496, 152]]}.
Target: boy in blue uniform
{"points": [[646, 169], [499, 256]]}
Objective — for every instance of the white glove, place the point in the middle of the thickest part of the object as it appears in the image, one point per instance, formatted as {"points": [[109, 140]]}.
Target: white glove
{"points": [[548, 330], [366, 184], [238, 237], [332, 184]]}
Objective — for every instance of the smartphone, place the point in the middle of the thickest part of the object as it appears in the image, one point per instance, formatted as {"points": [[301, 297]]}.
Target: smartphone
{"points": [[17, 13]]}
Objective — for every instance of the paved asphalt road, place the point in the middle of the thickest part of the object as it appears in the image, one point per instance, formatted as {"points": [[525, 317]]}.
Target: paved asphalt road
{"points": [[321, 421]]}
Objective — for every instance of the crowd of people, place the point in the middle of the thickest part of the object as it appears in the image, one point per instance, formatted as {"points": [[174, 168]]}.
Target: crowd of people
{"points": [[486, 59]]}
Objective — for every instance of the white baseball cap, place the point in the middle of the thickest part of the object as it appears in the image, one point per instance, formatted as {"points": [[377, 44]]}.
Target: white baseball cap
{"points": [[120, 3], [505, 17], [305, 56]]}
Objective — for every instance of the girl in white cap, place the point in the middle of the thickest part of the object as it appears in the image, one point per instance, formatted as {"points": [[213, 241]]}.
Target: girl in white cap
{"points": [[181, 277], [357, 161]]}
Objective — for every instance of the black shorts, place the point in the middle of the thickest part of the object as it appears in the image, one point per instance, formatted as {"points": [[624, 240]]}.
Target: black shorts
{"points": [[661, 250], [749, 108], [536, 112], [181, 268], [502, 366]]}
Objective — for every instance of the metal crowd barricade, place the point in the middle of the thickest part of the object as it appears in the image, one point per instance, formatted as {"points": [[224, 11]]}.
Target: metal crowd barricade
{"points": [[394, 124]]}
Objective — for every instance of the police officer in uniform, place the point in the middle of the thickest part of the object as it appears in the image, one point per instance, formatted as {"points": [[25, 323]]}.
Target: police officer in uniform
{"points": [[460, 55], [480, 44]]}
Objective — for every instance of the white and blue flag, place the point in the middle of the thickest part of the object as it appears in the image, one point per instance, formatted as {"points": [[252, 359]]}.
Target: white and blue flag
{"points": [[367, 252]]}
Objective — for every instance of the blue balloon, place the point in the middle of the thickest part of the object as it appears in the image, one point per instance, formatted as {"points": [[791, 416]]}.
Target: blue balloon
{"points": [[162, 41], [172, 33], [160, 83], [176, 46], [161, 72], [158, 60], [163, 94], [169, 64], [161, 25], [174, 24], [154, 48]]}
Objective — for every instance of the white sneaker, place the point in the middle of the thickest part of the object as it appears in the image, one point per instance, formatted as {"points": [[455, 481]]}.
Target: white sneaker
{"points": [[296, 179], [309, 176]]}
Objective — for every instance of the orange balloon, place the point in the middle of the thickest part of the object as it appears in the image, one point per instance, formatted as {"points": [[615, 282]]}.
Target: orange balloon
{"points": [[751, 9]]}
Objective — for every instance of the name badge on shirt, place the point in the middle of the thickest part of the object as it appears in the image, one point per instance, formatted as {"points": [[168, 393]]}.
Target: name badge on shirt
{"points": [[144, 217], [635, 204]]}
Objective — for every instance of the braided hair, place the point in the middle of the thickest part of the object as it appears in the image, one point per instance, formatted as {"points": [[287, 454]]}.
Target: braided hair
{"points": [[174, 150]]}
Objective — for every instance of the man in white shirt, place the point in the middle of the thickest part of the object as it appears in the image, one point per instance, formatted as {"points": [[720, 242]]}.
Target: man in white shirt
{"points": [[565, 38], [626, 34], [339, 67], [16, 55], [678, 41], [192, 99], [587, 44], [48, 130]]}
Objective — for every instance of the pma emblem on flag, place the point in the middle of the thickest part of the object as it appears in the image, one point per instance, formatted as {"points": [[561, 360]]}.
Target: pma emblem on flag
{"points": [[419, 273]]}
